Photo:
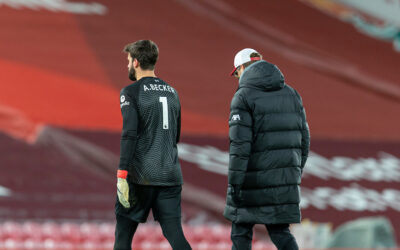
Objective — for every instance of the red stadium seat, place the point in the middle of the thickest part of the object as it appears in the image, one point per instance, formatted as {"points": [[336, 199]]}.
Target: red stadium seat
{"points": [[147, 246], [71, 232], [106, 231], [262, 245], [33, 231], [220, 233], [33, 243], [13, 244]]}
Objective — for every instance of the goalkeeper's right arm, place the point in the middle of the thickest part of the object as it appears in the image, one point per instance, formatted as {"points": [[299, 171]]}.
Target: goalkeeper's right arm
{"points": [[123, 188], [128, 145]]}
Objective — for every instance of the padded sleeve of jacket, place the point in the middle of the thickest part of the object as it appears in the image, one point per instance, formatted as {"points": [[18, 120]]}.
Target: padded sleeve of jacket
{"points": [[129, 129], [178, 132], [305, 138], [240, 136]]}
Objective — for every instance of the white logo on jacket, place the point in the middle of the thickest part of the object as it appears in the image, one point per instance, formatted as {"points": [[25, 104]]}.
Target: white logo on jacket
{"points": [[235, 117]]}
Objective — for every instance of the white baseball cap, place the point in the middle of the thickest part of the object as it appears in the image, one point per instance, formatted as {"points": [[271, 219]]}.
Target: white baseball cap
{"points": [[242, 57]]}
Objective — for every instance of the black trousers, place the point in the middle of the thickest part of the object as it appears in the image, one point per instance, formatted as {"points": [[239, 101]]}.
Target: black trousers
{"points": [[165, 203], [242, 235], [171, 228]]}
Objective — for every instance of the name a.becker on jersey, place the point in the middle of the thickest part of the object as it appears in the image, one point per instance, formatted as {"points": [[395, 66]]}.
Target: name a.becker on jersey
{"points": [[158, 87]]}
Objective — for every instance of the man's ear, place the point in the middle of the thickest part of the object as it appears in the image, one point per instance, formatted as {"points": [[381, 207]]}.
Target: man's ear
{"points": [[136, 63]]}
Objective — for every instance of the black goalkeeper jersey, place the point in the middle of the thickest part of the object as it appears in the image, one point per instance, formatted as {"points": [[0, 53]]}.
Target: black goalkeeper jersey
{"points": [[151, 114]]}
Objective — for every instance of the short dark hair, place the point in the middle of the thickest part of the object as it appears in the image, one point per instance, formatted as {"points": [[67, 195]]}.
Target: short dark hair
{"points": [[145, 51], [254, 54]]}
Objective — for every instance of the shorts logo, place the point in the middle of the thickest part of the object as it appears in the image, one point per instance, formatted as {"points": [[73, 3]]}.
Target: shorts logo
{"points": [[235, 117], [122, 98]]}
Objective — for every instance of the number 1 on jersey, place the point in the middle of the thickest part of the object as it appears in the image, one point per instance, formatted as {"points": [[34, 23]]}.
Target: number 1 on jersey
{"points": [[164, 102]]}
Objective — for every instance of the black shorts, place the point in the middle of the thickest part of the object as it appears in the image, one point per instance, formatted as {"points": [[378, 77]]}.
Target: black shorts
{"points": [[164, 201]]}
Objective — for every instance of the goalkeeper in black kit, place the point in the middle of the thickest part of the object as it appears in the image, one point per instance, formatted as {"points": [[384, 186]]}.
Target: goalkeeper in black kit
{"points": [[149, 173]]}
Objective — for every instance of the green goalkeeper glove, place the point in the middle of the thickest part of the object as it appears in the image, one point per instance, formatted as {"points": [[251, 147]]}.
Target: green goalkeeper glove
{"points": [[123, 188]]}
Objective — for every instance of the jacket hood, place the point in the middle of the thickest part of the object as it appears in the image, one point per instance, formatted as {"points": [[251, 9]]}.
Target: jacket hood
{"points": [[262, 75]]}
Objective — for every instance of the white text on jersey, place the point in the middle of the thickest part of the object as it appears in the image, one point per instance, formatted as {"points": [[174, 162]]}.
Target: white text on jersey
{"points": [[158, 87]]}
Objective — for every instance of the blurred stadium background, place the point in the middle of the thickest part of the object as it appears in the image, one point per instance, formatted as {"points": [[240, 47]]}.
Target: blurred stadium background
{"points": [[61, 69]]}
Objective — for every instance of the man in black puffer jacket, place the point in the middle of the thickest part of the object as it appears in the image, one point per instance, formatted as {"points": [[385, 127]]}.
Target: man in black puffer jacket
{"points": [[269, 145]]}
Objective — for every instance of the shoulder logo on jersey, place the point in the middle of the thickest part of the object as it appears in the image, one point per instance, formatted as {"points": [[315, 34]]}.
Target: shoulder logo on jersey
{"points": [[123, 101], [235, 118]]}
